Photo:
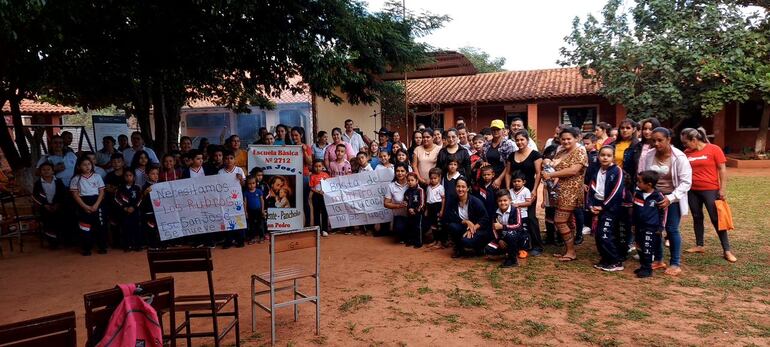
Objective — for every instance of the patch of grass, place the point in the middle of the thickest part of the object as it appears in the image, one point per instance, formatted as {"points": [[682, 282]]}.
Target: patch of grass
{"points": [[367, 330], [470, 277], [764, 330], [707, 328], [424, 290], [486, 335], [533, 328], [467, 298], [654, 294], [610, 343], [351, 327], [550, 303], [355, 303], [632, 314], [495, 279], [319, 340], [693, 282]]}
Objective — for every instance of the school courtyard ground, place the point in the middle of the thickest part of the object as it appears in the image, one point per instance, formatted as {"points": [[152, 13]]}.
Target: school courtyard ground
{"points": [[378, 293]]}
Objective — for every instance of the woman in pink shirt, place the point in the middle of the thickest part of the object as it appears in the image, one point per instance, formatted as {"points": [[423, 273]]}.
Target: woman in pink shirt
{"points": [[330, 152]]}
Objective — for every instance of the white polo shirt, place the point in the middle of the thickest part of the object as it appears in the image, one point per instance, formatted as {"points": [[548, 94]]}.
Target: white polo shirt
{"points": [[237, 170], [435, 194], [87, 185], [396, 195], [521, 197], [199, 173], [355, 140]]}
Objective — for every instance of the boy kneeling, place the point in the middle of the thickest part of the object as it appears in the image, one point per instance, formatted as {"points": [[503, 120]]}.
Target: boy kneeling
{"points": [[508, 231]]}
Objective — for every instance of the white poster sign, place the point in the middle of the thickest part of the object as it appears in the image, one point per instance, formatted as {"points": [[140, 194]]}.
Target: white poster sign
{"points": [[357, 199], [282, 166], [198, 206], [109, 126]]}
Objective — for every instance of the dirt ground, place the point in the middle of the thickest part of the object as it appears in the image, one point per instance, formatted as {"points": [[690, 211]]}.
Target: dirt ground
{"points": [[378, 293]]}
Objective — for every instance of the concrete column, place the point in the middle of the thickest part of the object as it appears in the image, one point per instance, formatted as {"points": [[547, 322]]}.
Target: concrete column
{"points": [[532, 122], [449, 118], [719, 129]]}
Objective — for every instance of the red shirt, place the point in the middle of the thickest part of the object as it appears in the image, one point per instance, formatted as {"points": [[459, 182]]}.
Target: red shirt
{"points": [[315, 179], [705, 166]]}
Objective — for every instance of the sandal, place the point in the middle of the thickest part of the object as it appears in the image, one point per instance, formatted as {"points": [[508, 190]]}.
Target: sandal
{"points": [[673, 271], [658, 265], [566, 259], [696, 249]]}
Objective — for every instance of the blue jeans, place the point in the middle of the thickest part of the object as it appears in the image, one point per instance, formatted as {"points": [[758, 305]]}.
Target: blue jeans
{"points": [[674, 238]]}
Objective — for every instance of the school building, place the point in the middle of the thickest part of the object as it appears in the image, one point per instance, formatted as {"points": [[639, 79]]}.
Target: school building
{"points": [[545, 98]]}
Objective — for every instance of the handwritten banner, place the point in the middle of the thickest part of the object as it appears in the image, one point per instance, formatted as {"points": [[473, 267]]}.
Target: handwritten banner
{"points": [[282, 167], [197, 206], [357, 199]]}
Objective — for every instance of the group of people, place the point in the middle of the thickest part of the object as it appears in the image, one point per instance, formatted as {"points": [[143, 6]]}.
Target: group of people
{"points": [[476, 192]]}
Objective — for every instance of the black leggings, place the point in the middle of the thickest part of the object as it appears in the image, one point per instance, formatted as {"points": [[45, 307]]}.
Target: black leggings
{"points": [[696, 200]]}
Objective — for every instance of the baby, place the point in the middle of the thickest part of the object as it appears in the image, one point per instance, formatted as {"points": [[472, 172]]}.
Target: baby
{"points": [[550, 183], [283, 198]]}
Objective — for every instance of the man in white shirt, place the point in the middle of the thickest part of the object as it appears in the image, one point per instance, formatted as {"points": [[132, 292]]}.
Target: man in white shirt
{"points": [[516, 125], [352, 137], [137, 144]]}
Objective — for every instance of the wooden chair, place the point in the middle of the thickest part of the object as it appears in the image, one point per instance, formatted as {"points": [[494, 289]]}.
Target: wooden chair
{"points": [[209, 305], [283, 242], [100, 306], [56, 330]]}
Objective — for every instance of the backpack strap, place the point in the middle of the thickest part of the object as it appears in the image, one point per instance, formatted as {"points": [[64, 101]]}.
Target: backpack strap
{"points": [[127, 289]]}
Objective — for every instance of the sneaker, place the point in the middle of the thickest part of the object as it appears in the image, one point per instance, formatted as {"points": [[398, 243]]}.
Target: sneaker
{"points": [[586, 231], [642, 273], [523, 254], [509, 262], [578, 239], [535, 252], [613, 267], [599, 265], [658, 265], [324, 234]]}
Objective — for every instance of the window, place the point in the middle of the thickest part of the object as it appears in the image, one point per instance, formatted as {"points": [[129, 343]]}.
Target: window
{"points": [[435, 122], [249, 124], [581, 117], [749, 115], [207, 120]]}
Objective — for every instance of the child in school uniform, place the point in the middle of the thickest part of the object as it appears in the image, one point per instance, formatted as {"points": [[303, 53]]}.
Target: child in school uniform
{"points": [[215, 160], [485, 191], [648, 219], [317, 205], [589, 143], [508, 231], [521, 198], [384, 163], [476, 161], [196, 165], [254, 201], [435, 201], [403, 157], [170, 170], [415, 207], [49, 194], [112, 181], [363, 162], [236, 177], [604, 199], [149, 224], [127, 200], [449, 180], [87, 189]]}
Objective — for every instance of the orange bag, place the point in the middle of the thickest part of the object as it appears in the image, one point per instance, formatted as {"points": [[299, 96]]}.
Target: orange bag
{"points": [[724, 215]]}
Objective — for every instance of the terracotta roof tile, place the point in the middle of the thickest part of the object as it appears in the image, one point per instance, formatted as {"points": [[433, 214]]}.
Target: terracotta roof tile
{"points": [[31, 107], [501, 86]]}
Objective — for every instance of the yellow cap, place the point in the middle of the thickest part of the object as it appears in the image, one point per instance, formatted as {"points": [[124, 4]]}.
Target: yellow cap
{"points": [[497, 124]]}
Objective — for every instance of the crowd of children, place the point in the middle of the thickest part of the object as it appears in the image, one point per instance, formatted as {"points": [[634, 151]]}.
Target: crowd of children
{"points": [[111, 200]]}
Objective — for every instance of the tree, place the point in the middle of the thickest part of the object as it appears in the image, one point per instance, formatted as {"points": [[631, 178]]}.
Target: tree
{"points": [[482, 60], [677, 59], [236, 53]]}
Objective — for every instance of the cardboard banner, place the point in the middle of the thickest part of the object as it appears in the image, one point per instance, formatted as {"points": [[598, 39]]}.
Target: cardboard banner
{"points": [[357, 199], [282, 167], [109, 126], [198, 206]]}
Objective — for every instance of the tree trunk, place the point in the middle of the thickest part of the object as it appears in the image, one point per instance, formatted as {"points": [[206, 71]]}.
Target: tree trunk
{"points": [[18, 131], [159, 115], [6, 141], [173, 110], [761, 142], [142, 112]]}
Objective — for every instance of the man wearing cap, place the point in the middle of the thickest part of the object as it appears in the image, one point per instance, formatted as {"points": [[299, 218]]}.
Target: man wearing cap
{"points": [[383, 137], [516, 125], [352, 137], [498, 149]]}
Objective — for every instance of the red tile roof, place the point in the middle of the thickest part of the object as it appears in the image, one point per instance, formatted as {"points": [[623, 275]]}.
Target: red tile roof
{"points": [[31, 107], [501, 86]]}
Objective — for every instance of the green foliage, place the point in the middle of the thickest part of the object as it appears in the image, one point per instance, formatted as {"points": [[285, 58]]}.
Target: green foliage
{"points": [[482, 60], [673, 59], [355, 303]]}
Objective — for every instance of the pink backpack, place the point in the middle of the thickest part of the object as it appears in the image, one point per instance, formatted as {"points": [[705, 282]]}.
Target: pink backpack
{"points": [[133, 324]]}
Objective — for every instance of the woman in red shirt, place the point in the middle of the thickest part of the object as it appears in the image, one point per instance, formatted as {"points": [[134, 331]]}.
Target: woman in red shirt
{"points": [[709, 178]]}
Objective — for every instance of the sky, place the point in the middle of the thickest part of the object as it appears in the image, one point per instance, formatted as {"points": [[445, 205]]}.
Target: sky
{"points": [[528, 34]]}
